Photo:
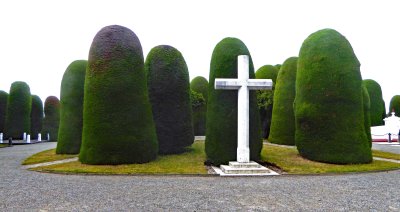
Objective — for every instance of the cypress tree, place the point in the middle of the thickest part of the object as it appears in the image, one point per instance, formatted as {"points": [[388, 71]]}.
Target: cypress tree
{"points": [[329, 101], [51, 119], [282, 123], [18, 117], [221, 124], [395, 105], [199, 85], [169, 93], [36, 116], [3, 109], [265, 97], [367, 114], [378, 109], [118, 126], [71, 108]]}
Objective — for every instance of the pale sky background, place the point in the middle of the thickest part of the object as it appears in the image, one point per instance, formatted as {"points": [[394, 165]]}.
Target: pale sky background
{"points": [[40, 38]]}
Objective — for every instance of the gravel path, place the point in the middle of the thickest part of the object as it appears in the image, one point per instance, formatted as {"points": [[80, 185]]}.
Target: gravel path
{"points": [[26, 190]]}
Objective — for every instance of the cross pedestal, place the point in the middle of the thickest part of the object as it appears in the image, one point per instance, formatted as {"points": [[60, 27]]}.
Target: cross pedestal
{"points": [[243, 165]]}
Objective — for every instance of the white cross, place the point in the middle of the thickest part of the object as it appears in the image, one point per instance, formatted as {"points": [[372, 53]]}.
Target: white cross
{"points": [[243, 84]]}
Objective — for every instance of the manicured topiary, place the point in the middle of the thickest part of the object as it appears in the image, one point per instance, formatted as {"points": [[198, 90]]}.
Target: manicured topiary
{"points": [[378, 110], [51, 119], [282, 124], [199, 85], [395, 105], [118, 126], [329, 103], [169, 93], [71, 108], [367, 114], [36, 116], [265, 97], [221, 127], [3, 109], [18, 117]]}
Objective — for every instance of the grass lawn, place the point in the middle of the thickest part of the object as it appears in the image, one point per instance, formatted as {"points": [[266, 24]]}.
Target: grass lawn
{"points": [[387, 155], [3, 145], [191, 162], [289, 160], [46, 156]]}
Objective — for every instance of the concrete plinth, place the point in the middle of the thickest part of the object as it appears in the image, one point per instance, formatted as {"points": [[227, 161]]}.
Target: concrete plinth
{"points": [[243, 169]]}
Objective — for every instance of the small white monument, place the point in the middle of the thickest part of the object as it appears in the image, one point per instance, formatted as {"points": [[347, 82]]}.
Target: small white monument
{"points": [[24, 136], [1, 137], [39, 137], [243, 165], [48, 136], [28, 139]]}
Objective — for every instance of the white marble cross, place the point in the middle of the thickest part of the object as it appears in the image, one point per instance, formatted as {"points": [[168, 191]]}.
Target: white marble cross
{"points": [[243, 84]]}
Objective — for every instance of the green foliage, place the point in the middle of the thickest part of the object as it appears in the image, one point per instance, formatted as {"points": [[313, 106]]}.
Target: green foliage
{"points": [[283, 123], [328, 104], [51, 119], [71, 108], [169, 93], [36, 116], [367, 116], [395, 105], [265, 98], [378, 109], [118, 126], [18, 117], [199, 86], [197, 99], [3, 109], [221, 126]]}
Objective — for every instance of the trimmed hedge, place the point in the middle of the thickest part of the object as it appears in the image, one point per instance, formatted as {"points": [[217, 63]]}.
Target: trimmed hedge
{"points": [[51, 119], [36, 116], [395, 105], [329, 103], [199, 85], [18, 117], [265, 97], [378, 109], [221, 126], [169, 93], [71, 108], [283, 124], [367, 116], [3, 109], [118, 126]]}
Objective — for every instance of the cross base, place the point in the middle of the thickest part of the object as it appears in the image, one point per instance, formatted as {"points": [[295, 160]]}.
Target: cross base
{"points": [[243, 169]]}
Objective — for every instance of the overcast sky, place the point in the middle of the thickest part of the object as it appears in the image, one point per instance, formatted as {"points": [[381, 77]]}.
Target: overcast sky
{"points": [[39, 39]]}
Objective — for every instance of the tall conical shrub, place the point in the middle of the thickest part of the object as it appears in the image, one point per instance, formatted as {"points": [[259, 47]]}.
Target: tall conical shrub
{"points": [[395, 105], [199, 85], [221, 128], [169, 93], [118, 126], [265, 97], [71, 108], [329, 103], [36, 116], [282, 124], [18, 117], [378, 110], [51, 119], [367, 114], [3, 109]]}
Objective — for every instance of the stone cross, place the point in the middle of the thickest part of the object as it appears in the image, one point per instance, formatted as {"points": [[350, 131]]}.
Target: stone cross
{"points": [[243, 84]]}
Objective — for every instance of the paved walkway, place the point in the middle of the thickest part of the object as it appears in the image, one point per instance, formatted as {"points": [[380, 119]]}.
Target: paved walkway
{"points": [[21, 189]]}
